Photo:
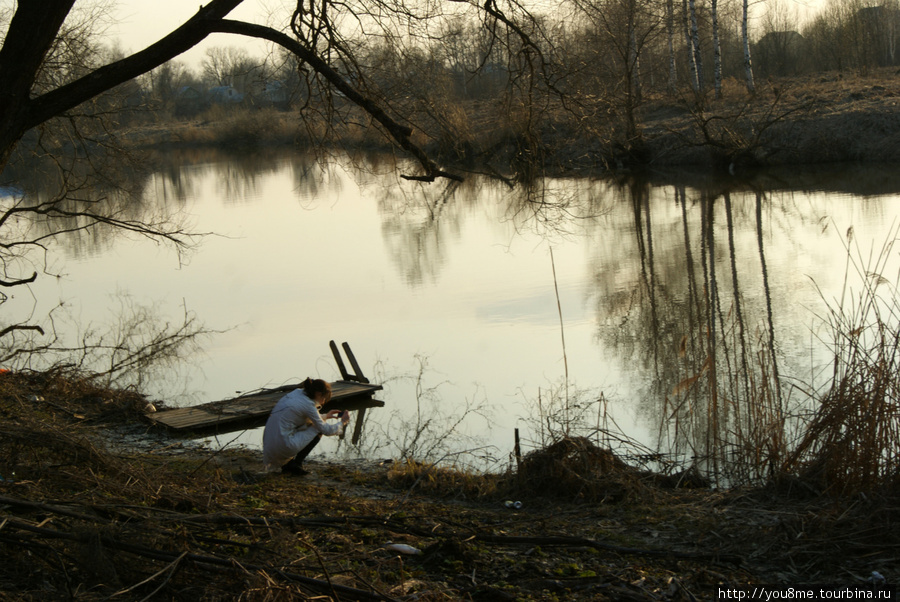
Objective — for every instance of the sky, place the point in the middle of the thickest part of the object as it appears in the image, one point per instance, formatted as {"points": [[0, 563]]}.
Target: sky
{"points": [[135, 24], [139, 23]]}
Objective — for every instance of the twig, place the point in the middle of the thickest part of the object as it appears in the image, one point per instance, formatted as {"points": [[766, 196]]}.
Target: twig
{"points": [[216, 453], [562, 334], [173, 565]]}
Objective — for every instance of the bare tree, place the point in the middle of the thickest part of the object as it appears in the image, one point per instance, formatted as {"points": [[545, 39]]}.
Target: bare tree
{"points": [[230, 66], [165, 81], [717, 48], [670, 38], [626, 27], [689, 20], [745, 43]]}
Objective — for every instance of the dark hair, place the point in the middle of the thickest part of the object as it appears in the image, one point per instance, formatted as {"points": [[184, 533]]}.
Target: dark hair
{"points": [[313, 386]]}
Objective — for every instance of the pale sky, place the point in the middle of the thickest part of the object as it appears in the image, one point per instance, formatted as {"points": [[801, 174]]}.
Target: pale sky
{"points": [[139, 23]]}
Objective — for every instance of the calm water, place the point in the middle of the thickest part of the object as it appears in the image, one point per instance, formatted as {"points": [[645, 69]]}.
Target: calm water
{"points": [[456, 286]]}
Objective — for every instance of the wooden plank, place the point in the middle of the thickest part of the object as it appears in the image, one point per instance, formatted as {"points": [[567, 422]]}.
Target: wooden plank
{"points": [[355, 364], [357, 429], [253, 409], [339, 361]]}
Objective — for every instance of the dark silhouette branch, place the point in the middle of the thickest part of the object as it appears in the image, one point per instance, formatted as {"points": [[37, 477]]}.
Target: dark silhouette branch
{"points": [[400, 133], [10, 283], [188, 35], [209, 19], [16, 327]]}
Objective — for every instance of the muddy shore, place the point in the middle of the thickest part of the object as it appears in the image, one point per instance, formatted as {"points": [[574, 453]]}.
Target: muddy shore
{"points": [[96, 505]]}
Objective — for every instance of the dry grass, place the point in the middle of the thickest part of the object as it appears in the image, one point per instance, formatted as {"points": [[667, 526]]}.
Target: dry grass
{"points": [[804, 120], [82, 522], [574, 468], [852, 443]]}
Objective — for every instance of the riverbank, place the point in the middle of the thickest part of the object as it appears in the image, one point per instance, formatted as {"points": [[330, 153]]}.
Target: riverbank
{"points": [[96, 505], [812, 120]]}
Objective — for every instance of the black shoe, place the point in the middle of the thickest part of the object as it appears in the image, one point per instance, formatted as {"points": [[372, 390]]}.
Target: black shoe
{"points": [[293, 469]]}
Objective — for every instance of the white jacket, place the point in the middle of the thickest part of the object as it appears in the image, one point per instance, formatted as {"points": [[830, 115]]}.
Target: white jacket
{"points": [[293, 423]]}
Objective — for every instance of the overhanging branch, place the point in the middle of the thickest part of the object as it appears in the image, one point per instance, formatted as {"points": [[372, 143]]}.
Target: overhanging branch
{"points": [[69, 96], [400, 133], [210, 19]]}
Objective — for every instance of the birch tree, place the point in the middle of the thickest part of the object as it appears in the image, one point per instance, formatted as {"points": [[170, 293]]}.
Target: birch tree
{"points": [[689, 21], [717, 48], [695, 42], [670, 40], [745, 42]]}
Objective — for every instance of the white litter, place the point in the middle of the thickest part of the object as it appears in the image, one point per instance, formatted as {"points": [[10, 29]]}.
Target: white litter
{"points": [[402, 548]]}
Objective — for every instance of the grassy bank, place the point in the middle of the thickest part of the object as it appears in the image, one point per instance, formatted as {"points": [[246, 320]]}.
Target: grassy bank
{"points": [[95, 506], [799, 121]]}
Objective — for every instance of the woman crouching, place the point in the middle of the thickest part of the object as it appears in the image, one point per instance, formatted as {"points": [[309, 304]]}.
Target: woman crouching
{"points": [[295, 426]]}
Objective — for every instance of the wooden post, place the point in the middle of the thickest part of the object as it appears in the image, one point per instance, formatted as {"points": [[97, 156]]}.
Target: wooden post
{"points": [[338, 360], [517, 450], [352, 358]]}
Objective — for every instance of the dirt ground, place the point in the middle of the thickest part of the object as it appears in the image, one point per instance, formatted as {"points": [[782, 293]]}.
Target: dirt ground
{"points": [[95, 505], [811, 120]]}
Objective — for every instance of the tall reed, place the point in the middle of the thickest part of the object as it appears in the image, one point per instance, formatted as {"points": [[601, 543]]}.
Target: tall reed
{"points": [[852, 442]]}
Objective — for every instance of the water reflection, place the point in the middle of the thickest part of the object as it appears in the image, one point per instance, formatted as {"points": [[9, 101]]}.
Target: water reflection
{"points": [[697, 314], [687, 301]]}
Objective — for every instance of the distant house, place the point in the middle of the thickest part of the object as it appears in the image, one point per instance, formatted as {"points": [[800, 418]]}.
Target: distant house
{"points": [[276, 93], [188, 94], [225, 95], [269, 94], [11, 192], [188, 101]]}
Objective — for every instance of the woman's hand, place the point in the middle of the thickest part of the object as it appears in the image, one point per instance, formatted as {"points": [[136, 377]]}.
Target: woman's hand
{"points": [[345, 419], [332, 414]]}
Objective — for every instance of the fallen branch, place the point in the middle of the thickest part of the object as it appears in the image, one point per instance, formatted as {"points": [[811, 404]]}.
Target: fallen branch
{"points": [[171, 567], [11, 501], [580, 541]]}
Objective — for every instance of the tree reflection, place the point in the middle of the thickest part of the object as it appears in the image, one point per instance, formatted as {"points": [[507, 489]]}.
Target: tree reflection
{"points": [[709, 359], [417, 223]]}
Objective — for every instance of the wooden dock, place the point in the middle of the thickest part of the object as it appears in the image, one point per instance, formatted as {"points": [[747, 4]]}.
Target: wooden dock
{"points": [[251, 410]]}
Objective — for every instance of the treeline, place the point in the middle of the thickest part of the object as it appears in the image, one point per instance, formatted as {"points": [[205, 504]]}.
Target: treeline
{"points": [[469, 85], [587, 47]]}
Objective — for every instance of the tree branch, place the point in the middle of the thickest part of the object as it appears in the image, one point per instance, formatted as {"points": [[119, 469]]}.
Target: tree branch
{"points": [[211, 19], [400, 133], [16, 327], [182, 39], [8, 283]]}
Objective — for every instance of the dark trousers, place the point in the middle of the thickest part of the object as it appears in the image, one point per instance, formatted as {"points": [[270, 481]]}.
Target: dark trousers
{"points": [[297, 461]]}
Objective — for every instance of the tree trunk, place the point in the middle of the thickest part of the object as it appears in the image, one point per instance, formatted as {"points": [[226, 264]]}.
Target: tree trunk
{"points": [[745, 37], [635, 61], [32, 30], [670, 34], [692, 64], [717, 49], [695, 43]]}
